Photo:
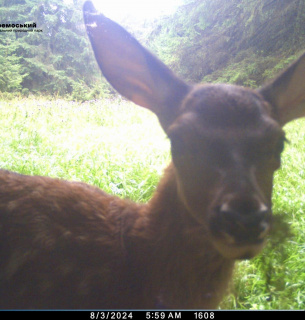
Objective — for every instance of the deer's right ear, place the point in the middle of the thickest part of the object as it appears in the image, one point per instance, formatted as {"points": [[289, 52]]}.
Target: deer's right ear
{"points": [[132, 70], [286, 93]]}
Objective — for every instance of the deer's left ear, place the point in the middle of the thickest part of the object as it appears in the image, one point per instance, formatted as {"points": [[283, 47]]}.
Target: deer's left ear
{"points": [[132, 70], [286, 93]]}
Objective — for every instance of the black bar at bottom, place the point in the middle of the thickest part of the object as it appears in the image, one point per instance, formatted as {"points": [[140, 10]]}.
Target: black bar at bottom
{"points": [[142, 314]]}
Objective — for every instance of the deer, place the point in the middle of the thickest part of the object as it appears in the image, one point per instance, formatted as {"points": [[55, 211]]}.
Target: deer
{"points": [[70, 245]]}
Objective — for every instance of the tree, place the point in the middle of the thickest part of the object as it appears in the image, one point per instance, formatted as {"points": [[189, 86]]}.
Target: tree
{"points": [[237, 41], [55, 57], [10, 68]]}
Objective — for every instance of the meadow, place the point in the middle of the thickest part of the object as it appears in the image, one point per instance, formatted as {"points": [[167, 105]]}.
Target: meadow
{"points": [[121, 148]]}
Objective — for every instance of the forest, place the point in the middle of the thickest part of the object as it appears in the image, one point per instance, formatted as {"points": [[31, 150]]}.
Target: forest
{"points": [[244, 42]]}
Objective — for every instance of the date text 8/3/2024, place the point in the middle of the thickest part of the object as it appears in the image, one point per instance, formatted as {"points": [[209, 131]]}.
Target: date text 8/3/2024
{"points": [[151, 315]]}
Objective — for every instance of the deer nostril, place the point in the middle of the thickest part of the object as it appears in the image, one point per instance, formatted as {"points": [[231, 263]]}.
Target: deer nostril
{"points": [[243, 205], [244, 212], [225, 207], [244, 221]]}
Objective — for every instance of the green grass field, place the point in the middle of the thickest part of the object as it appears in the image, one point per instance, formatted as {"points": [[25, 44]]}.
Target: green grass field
{"points": [[121, 148]]}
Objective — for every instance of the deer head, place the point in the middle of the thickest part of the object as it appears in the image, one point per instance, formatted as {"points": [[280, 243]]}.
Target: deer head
{"points": [[226, 140]]}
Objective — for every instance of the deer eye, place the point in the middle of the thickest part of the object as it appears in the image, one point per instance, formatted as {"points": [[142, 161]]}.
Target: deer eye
{"points": [[273, 150], [182, 144]]}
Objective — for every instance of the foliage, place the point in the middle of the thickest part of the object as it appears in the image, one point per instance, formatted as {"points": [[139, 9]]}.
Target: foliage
{"points": [[55, 57], [10, 68], [236, 41], [81, 92], [96, 142]]}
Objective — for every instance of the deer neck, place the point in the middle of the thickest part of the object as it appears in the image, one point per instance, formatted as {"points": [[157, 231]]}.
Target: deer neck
{"points": [[181, 258], [169, 219]]}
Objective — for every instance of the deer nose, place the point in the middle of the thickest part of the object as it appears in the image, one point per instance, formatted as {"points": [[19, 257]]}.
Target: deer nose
{"points": [[244, 218]]}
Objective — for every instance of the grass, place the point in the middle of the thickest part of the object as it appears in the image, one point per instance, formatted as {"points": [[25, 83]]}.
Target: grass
{"points": [[114, 145], [121, 148]]}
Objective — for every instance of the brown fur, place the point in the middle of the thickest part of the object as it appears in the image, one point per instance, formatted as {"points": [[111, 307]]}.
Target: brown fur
{"points": [[70, 245]]}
